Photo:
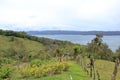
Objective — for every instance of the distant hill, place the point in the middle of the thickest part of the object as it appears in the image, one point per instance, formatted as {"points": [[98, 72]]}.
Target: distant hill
{"points": [[60, 32]]}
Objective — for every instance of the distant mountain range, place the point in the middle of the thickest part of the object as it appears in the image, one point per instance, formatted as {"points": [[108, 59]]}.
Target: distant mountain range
{"points": [[60, 32]]}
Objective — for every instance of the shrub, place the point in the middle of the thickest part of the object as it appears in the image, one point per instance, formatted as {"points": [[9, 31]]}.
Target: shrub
{"points": [[45, 69]]}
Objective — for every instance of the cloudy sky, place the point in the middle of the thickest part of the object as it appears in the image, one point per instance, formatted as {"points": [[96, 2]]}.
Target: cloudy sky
{"points": [[80, 15]]}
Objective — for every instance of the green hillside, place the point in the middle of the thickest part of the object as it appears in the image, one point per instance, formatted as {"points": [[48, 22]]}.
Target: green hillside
{"points": [[10, 47], [26, 57], [29, 45]]}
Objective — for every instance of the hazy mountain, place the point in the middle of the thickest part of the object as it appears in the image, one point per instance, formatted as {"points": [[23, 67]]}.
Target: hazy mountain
{"points": [[59, 32]]}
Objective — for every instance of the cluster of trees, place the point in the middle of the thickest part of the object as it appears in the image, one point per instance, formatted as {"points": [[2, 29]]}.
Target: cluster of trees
{"points": [[98, 49]]}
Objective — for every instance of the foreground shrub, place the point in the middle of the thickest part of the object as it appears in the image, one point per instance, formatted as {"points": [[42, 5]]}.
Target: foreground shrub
{"points": [[44, 70]]}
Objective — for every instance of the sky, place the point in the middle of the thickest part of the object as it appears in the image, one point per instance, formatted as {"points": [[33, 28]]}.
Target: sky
{"points": [[78, 15]]}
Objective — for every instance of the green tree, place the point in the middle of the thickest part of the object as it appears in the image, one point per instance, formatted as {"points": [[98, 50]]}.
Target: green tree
{"points": [[59, 54], [99, 49]]}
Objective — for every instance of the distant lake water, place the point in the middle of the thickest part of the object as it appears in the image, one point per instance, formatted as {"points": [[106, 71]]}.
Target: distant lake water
{"points": [[112, 41]]}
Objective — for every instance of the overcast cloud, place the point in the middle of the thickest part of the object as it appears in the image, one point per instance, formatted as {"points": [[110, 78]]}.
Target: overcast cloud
{"points": [[80, 15]]}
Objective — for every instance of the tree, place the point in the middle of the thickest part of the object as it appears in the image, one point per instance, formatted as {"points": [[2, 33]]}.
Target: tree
{"points": [[115, 69], [75, 53], [91, 65], [99, 49], [59, 53]]}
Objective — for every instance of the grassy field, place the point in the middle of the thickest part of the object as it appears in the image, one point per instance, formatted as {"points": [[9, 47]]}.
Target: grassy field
{"points": [[31, 47], [105, 69], [5, 43]]}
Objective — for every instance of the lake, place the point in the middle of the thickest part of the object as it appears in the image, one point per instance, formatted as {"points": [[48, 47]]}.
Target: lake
{"points": [[112, 41]]}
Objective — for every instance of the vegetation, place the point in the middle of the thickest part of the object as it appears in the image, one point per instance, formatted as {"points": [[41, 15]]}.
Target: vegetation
{"points": [[99, 49], [5, 72], [44, 70], [36, 58], [75, 72]]}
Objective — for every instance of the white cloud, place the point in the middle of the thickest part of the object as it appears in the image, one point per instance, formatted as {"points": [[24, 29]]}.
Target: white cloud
{"points": [[59, 14]]}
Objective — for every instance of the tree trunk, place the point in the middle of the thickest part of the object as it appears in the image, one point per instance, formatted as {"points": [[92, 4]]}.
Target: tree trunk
{"points": [[98, 75], [115, 69], [91, 65]]}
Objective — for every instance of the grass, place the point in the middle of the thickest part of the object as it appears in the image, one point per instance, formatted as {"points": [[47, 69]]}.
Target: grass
{"points": [[105, 69], [75, 71], [32, 47]]}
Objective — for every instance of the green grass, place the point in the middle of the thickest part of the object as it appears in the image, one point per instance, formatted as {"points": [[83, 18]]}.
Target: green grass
{"points": [[31, 47], [105, 69], [75, 71]]}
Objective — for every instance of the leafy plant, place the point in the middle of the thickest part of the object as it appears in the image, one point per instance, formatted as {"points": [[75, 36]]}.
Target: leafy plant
{"points": [[5, 72]]}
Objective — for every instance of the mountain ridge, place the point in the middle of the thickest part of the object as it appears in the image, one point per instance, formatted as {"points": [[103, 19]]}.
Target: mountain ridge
{"points": [[64, 32]]}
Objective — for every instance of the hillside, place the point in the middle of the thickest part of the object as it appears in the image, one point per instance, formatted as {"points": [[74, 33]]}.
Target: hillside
{"points": [[10, 47], [35, 58], [7, 42]]}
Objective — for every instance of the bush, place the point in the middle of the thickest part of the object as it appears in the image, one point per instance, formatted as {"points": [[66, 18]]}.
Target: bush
{"points": [[44, 70]]}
